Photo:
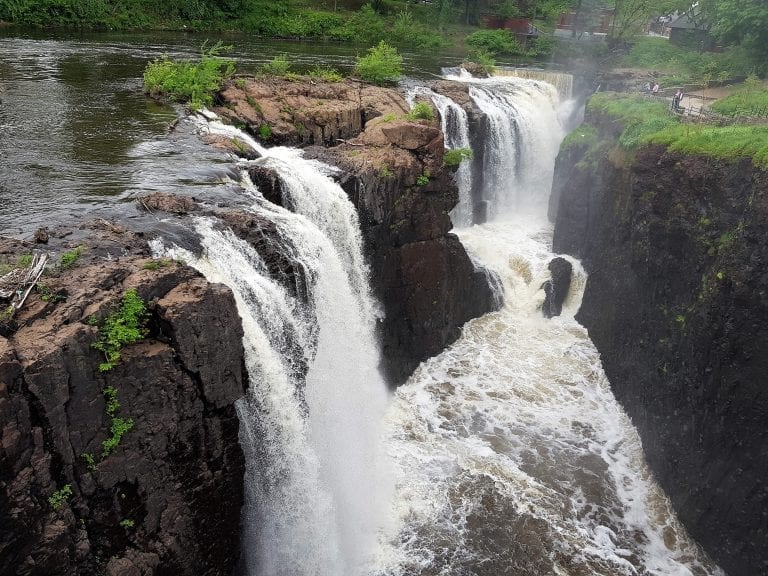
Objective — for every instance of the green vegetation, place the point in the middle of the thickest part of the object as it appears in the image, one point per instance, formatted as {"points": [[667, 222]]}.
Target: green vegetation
{"points": [[326, 73], [121, 328], [127, 523], [485, 60], [456, 156], [70, 258], [120, 426], [494, 42], [278, 66], [386, 172], [192, 82], [727, 142], [423, 179], [383, 64], [684, 66], [751, 100], [90, 461], [156, 264], [648, 122], [265, 132], [584, 135], [421, 111], [25, 260], [60, 496]]}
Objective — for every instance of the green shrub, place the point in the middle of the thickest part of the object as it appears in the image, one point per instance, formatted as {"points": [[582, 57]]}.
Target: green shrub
{"points": [[60, 496], [456, 156], [127, 523], [120, 426], [192, 82], [121, 328], [265, 132], [484, 59], [421, 111], [278, 66], [326, 73], [90, 461], [584, 135], [383, 64], [423, 180], [494, 42]]}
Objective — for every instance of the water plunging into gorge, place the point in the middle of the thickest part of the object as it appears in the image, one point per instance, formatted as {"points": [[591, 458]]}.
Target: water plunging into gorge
{"points": [[508, 452]]}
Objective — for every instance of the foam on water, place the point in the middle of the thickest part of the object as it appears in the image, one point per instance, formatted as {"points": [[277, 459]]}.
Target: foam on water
{"points": [[512, 455]]}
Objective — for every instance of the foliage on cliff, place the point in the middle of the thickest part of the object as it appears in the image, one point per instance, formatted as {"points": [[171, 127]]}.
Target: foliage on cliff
{"points": [[193, 82], [646, 121]]}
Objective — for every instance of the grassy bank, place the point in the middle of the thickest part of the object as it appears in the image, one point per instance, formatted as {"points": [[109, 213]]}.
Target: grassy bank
{"points": [[647, 121]]}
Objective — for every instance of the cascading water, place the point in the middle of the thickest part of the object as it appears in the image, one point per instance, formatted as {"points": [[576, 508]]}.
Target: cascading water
{"points": [[563, 82], [315, 487], [510, 453]]}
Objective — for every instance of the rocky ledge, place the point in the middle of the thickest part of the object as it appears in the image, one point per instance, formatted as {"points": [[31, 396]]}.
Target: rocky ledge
{"points": [[392, 169], [676, 248], [78, 495]]}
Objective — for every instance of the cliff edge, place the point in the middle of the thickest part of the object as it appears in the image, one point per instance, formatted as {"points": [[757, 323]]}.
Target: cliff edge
{"points": [[676, 247], [128, 471]]}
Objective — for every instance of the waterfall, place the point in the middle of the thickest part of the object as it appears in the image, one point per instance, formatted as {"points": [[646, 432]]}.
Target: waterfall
{"points": [[522, 136], [563, 82], [455, 126], [513, 456], [315, 485]]}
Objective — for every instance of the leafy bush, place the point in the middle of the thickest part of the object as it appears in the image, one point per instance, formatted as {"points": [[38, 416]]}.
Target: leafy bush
{"points": [[278, 66], [485, 60], [494, 42], [326, 73], [123, 327], [265, 132], [543, 45], [383, 64], [421, 111], [120, 426], [457, 156], [193, 82], [60, 496]]}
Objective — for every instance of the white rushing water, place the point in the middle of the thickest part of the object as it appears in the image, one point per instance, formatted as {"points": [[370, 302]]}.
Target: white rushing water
{"points": [[511, 454], [315, 485]]}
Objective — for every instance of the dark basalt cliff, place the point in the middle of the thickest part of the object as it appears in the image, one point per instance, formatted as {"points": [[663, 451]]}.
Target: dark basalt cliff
{"points": [[677, 303], [392, 169], [167, 500]]}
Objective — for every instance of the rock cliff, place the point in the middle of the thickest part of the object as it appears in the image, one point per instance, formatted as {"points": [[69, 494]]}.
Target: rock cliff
{"points": [[392, 169], [166, 497], [676, 248]]}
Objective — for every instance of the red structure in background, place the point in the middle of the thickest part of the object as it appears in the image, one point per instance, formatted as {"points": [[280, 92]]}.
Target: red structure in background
{"points": [[602, 26]]}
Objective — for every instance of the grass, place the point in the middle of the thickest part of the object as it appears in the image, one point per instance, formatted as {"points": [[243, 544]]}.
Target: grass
{"points": [[648, 122], [584, 135], [121, 328], [750, 100], [70, 258], [189, 82], [726, 142]]}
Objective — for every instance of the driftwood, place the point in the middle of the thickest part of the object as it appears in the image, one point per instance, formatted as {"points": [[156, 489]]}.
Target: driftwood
{"points": [[17, 284]]}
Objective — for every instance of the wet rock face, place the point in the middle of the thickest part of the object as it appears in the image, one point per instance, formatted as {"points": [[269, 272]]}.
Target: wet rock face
{"points": [[167, 499], [556, 289], [676, 250]]}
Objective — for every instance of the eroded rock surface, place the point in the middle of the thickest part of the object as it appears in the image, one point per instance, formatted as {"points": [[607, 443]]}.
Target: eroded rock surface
{"points": [[676, 248], [167, 499]]}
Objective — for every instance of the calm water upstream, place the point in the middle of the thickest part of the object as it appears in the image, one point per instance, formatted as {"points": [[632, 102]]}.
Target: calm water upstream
{"points": [[77, 135]]}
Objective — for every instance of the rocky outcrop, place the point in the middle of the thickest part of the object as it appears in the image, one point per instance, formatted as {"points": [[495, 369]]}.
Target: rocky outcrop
{"points": [[556, 288], [676, 248], [166, 499], [392, 169]]}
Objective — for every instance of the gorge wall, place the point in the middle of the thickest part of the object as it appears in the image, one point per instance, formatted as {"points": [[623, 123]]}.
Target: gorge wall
{"points": [[167, 498], [676, 248]]}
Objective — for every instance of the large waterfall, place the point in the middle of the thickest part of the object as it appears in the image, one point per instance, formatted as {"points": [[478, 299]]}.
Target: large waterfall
{"points": [[511, 454], [310, 423]]}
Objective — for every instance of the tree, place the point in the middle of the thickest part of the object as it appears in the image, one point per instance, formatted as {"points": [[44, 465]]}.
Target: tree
{"points": [[741, 22]]}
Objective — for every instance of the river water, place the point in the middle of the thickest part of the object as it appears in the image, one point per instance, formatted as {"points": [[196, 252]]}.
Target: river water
{"points": [[507, 452]]}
